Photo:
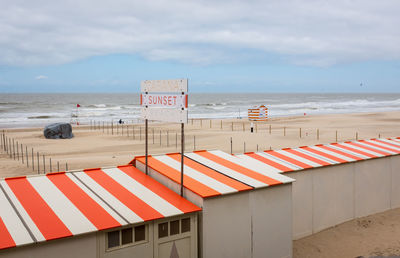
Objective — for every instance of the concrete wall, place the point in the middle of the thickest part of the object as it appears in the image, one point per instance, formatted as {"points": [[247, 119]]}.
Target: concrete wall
{"points": [[78, 247], [254, 223], [327, 196]]}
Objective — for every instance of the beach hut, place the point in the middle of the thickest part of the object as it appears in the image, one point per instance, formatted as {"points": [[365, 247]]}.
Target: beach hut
{"points": [[246, 211], [259, 113], [113, 212], [336, 182]]}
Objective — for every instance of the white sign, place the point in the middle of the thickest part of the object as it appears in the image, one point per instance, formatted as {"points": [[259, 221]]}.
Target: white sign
{"points": [[165, 100], [177, 86]]}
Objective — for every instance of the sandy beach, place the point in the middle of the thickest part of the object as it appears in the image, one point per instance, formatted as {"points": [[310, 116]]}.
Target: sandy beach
{"points": [[106, 146]]}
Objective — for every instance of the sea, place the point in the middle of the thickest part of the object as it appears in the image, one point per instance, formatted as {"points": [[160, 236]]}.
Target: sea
{"points": [[35, 110]]}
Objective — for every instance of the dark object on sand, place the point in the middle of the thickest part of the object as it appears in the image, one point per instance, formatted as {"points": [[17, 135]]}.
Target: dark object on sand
{"points": [[58, 131]]}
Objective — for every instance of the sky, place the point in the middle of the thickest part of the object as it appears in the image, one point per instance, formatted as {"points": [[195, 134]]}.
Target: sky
{"points": [[220, 45]]}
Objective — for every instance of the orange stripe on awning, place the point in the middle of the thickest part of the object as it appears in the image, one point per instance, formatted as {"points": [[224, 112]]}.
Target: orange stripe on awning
{"points": [[388, 143], [6, 240], [269, 162], [379, 146], [308, 157], [369, 148], [326, 155], [134, 203], [288, 159], [99, 217], [48, 223], [175, 175], [211, 173], [238, 168], [157, 188], [339, 152], [355, 150]]}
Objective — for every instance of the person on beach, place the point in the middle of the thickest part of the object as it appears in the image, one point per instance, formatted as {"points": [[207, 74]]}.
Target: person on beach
{"points": [[120, 122]]}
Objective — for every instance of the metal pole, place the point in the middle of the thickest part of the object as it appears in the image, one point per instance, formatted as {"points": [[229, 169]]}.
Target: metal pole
{"points": [[146, 123], [22, 154], [182, 153], [269, 129], [284, 131], [231, 145], [140, 133], [17, 151], [51, 169], [194, 142], [336, 136], [58, 166], [112, 128], [317, 134], [38, 165], [44, 164], [244, 147], [300, 132], [221, 124], [33, 162], [26, 153], [13, 148], [127, 130], [66, 166], [356, 136]]}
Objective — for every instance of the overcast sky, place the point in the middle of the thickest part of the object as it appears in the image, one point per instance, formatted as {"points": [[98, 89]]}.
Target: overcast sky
{"points": [[221, 45]]}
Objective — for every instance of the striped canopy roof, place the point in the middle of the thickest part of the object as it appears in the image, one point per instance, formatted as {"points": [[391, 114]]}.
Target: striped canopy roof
{"points": [[39, 208], [213, 173], [305, 157]]}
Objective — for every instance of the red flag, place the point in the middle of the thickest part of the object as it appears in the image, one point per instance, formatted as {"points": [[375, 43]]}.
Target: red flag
{"points": [[77, 105]]}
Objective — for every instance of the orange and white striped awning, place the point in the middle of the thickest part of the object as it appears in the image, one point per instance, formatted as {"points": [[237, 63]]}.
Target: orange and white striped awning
{"points": [[40, 208], [293, 159], [213, 173]]}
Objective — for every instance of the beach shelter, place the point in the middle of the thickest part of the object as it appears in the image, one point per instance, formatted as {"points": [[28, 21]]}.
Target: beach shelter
{"points": [[259, 113], [336, 182], [241, 204], [109, 212]]}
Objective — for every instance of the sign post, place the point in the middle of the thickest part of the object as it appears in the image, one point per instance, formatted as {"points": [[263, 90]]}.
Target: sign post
{"points": [[167, 101]]}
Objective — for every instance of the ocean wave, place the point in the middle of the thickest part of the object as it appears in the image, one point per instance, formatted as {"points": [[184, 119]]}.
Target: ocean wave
{"points": [[40, 117]]}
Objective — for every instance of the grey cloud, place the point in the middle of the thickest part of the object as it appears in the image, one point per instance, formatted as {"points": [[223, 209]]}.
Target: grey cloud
{"points": [[312, 32]]}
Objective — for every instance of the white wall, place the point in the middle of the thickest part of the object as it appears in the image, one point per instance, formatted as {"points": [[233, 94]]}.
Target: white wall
{"points": [[78, 247], [327, 196], [255, 223]]}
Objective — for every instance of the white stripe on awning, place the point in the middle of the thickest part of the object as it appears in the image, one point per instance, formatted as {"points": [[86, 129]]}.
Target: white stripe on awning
{"points": [[362, 149], [340, 156], [381, 144], [200, 177], [298, 158], [227, 171], [338, 147], [317, 156], [97, 200], [109, 198], [31, 225], [278, 160], [67, 212], [253, 166], [267, 167], [12, 222], [143, 193], [390, 141]]}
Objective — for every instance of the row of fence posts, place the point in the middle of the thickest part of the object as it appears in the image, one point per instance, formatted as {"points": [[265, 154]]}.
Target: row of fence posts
{"points": [[17, 151], [119, 128], [136, 129]]}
